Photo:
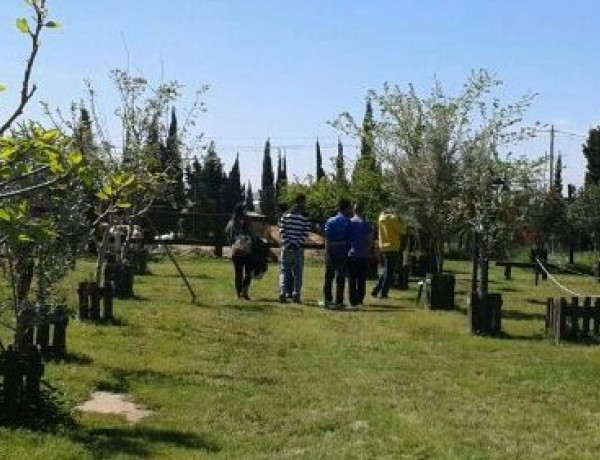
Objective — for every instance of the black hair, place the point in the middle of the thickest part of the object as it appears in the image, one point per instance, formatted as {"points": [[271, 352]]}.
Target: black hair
{"points": [[344, 204], [300, 198]]}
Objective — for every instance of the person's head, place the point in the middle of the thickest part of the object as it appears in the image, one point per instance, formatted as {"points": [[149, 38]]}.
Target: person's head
{"points": [[359, 209], [300, 202], [345, 207], [239, 211]]}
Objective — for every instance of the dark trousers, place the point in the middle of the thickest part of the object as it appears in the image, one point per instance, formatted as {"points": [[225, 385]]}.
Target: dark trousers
{"points": [[243, 268], [385, 279], [358, 267], [335, 269]]}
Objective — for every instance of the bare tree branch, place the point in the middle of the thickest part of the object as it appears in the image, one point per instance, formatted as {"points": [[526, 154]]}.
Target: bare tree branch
{"points": [[27, 89]]}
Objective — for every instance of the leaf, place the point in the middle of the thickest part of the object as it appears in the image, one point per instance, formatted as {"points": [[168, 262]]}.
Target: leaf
{"points": [[2, 88], [102, 196], [23, 238], [4, 215], [123, 205], [50, 136], [52, 24], [76, 159], [23, 25]]}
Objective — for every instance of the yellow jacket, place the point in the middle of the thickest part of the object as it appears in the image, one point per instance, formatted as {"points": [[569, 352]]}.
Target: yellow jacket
{"points": [[391, 231]]}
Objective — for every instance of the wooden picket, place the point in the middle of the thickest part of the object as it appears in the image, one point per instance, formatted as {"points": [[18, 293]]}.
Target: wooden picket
{"points": [[574, 320]]}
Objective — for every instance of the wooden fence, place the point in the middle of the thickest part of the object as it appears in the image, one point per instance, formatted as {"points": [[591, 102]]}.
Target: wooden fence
{"points": [[577, 320]]}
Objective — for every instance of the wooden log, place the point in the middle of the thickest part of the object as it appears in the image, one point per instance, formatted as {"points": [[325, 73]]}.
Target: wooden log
{"points": [[585, 323], [561, 323], [59, 336], [107, 295], [94, 294], [84, 300], [549, 323], [575, 314], [596, 317], [34, 369], [42, 333], [13, 382]]}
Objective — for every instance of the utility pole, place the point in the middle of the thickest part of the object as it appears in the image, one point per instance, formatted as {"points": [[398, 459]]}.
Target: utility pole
{"points": [[551, 156]]}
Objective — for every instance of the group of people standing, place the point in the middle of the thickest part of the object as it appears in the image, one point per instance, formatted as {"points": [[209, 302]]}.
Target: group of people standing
{"points": [[349, 251]]}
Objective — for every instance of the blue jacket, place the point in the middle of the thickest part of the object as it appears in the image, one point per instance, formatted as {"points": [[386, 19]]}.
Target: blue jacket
{"points": [[337, 236]]}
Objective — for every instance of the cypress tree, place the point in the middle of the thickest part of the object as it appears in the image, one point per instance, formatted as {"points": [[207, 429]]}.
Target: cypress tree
{"points": [[340, 168], [320, 171], [267, 192], [591, 150], [557, 185], [173, 164], [234, 193], [212, 181], [249, 198], [284, 176]]}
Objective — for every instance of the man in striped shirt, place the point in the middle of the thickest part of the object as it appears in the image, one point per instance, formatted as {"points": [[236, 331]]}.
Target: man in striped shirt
{"points": [[294, 227]]}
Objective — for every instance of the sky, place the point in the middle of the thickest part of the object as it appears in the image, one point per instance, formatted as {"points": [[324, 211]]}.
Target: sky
{"points": [[284, 68]]}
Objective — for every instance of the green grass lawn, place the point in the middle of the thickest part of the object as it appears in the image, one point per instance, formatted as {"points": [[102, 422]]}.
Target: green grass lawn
{"points": [[251, 379]]}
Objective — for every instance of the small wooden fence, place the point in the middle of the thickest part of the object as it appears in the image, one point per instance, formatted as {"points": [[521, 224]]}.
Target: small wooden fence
{"points": [[577, 320], [21, 374], [90, 296], [46, 329]]}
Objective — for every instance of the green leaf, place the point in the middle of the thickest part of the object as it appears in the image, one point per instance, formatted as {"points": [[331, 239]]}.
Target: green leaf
{"points": [[50, 136], [52, 24], [76, 159], [123, 205], [4, 215], [23, 238], [2, 88], [102, 196], [23, 25]]}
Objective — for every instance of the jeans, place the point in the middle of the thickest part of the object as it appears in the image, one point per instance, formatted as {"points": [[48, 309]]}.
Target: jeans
{"points": [[358, 268], [386, 278], [242, 266], [291, 266], [335, 269]]}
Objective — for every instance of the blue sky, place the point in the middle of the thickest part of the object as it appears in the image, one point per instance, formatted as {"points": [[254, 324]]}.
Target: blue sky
{"points": [[283, 68]]}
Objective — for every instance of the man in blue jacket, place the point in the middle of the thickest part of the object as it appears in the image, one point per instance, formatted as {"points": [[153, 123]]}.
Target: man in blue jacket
{"points": [[337, 244]]}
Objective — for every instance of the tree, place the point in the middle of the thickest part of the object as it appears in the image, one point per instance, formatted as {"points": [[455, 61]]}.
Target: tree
{"points": [[172, 165], [340, 168], [249, 201], [234, 191], [42, 202], [367, 175], [557, 184], [320, 170], [268, 205], [212, 181], [584, 212], [591, 151], [132, 177]]}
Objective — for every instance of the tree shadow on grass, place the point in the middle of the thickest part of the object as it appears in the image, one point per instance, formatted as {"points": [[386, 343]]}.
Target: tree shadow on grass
{"points": [[506, 336], [191, 277], [508, 289], [247, 307], [79, 359], [137, 441], [536, 301], [51, 415], [519, 315]]}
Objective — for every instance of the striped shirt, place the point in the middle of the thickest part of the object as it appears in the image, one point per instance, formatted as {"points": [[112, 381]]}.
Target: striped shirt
{"points": [[293, 229]]}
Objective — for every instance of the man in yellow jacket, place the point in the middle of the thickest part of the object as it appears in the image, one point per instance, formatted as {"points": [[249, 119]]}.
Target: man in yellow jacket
{"points": [[391, 230]]}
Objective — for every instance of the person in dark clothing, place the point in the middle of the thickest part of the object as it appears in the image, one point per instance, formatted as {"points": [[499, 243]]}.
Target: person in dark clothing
{"points": [[337, 244], [359, 256], [239, 234]]}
